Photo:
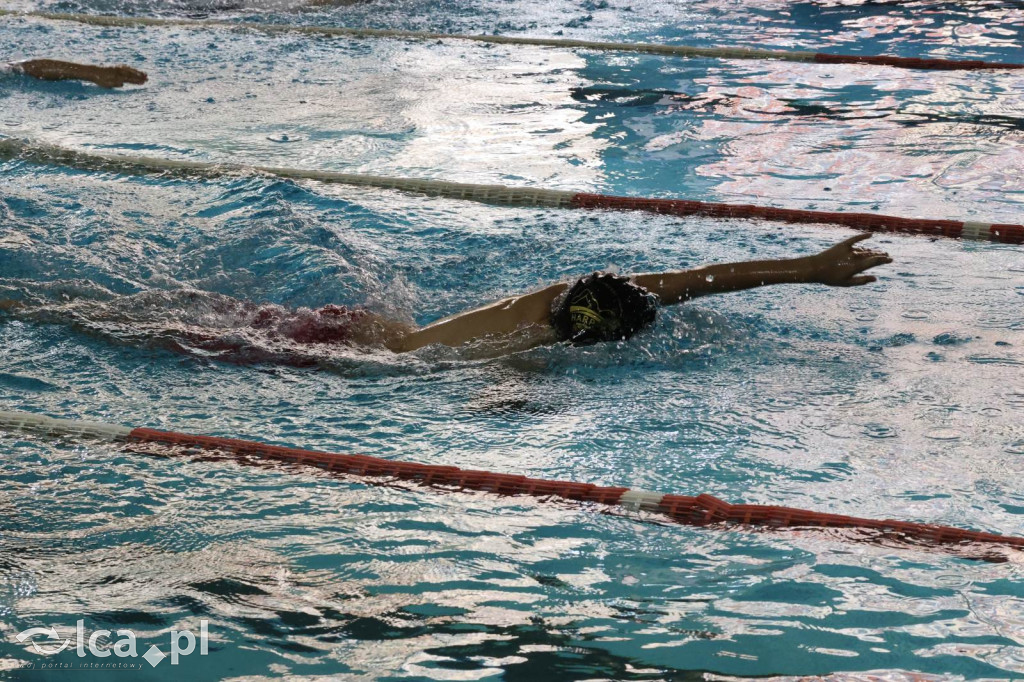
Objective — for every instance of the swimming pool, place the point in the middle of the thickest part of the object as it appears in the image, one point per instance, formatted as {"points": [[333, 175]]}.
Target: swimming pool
{"points": [[902, 399]]}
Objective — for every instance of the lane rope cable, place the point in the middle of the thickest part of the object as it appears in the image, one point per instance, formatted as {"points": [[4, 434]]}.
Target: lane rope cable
{"points": [[520, 196], [699, 510], [644, 48]]}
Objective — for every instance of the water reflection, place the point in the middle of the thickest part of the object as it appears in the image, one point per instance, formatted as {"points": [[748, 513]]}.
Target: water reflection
{"points": [[844, 401]]}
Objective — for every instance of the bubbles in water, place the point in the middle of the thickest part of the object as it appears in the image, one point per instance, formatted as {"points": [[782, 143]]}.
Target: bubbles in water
{"points": [[944, 434], [879, 431]]}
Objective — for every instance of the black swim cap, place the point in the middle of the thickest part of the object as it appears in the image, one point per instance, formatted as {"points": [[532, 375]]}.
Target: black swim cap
{"points": [[602, 307]]}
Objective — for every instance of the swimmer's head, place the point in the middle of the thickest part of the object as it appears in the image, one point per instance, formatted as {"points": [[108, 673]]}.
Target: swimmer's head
{"points": [[602, 307]]}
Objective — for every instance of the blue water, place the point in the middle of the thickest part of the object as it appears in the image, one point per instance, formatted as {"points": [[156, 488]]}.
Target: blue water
{"points": [[903, 399]]}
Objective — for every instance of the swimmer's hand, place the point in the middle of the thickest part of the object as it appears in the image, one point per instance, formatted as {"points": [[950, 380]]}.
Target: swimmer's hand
{"points": [[103, 76], [841, 265]]}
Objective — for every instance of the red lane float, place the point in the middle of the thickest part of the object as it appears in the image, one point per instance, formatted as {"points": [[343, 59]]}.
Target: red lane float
{"points": [[681, 51], [695, 511], [504, 195], [871, 222], [700, 510], [912, 62], [365, 465]]}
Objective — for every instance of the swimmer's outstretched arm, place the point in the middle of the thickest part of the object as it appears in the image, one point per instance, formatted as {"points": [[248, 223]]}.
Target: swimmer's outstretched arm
{"points": [[103, 76], [838, 266]]}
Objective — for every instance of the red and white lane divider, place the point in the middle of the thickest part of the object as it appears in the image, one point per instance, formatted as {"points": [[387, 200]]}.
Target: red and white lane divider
{"points": [[1006, 233], [696, 511], [565, 43]]}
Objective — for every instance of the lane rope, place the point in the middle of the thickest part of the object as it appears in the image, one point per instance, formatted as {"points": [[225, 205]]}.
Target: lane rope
{"points": [[1006, 233], [643, 48], [699, 510]]}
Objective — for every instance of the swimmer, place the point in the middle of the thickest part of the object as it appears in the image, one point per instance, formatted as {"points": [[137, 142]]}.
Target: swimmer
{"points": [[597, 308], [53, 70], [605, 307]]}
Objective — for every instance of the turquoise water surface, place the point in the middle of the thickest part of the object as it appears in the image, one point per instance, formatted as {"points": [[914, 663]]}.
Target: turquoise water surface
{"points": [[902, 399]]}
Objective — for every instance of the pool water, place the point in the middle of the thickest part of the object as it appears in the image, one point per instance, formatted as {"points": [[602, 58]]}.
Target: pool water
{"points": [[902, 399]]}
